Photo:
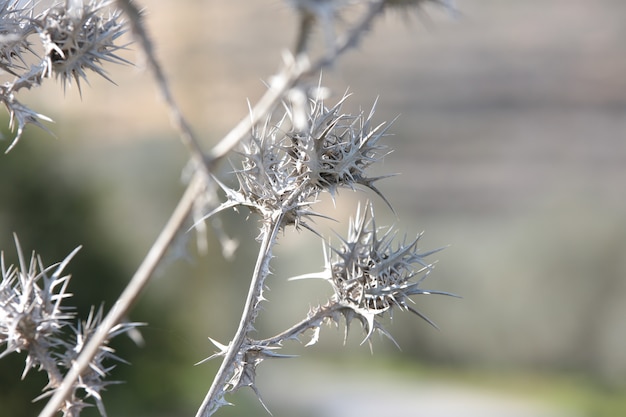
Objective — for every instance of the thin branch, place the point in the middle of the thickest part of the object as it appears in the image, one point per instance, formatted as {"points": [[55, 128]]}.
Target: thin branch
{"points": [[286, 79], [212, 399], [180, 122], [311, 322], [293, 72], [129, 295]]}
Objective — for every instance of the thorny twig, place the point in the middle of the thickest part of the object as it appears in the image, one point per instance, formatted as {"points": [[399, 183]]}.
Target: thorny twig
{"points": [[369, 277]]}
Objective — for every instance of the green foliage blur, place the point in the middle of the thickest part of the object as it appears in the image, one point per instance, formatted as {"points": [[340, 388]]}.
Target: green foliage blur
{"points": [[52, 215], [54, 205]]}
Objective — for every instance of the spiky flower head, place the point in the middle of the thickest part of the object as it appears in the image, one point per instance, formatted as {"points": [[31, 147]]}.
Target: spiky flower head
{"points": [[77, 39], [336, 148], [372, 272], [32, 317], [93, 381], [268, 182], [269, 176], [16, 24], [288, 162]]}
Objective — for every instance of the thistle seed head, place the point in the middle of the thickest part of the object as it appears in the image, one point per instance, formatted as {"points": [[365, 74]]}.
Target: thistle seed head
{"points": [[269, 181], [337, 148], [93, 381], [32, 317], [16, 25], [371, 275], [284, 168], [78, 40]]}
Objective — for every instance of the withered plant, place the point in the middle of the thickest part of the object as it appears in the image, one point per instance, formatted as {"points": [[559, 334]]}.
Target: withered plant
{"points": [[291, 147]]}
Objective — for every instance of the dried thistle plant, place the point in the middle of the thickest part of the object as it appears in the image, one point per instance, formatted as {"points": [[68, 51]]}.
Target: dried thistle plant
{"points": [[76, 38], [33, 318], [289, 149], [371, 274]]}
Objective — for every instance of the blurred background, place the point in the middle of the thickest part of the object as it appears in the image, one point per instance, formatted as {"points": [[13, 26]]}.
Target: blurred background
{"points": [[510, 145]]}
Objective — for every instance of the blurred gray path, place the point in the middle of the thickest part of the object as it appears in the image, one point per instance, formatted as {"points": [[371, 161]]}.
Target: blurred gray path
{"points": [[319, 390]]}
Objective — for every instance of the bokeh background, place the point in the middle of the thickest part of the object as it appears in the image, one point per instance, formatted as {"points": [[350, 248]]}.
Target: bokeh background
{"points": [[510, 145]]}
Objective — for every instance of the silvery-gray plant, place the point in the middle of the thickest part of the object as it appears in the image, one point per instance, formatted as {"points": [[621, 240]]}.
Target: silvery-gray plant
{"points": [[289, 149]]}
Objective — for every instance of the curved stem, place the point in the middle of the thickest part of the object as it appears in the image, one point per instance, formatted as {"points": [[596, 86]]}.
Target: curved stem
{"points": [[178, 119], [214, 398], [285, 80], [311, 322]]}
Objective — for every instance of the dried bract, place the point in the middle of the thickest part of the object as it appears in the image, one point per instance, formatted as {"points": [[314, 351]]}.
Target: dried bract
{"points": [[371, 273], [93, 381], [337, 148], [76, 41], [283, 169], [31, 315], [16, 24], [33, 319]]}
